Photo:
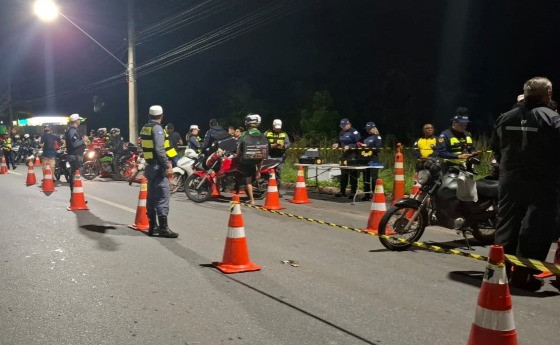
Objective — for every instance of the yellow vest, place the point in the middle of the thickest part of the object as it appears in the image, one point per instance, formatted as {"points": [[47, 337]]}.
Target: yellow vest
{"points": [[146, 135], [425, 146], [458, 146]]}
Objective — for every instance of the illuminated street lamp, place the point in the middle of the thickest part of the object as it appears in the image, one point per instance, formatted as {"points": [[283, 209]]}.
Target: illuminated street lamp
{"points": [[47, 11]]}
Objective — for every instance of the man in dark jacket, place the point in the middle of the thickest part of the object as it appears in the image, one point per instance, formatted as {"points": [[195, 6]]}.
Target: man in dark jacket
{"points": [[526, 143], [75, 147], [211, 138]]}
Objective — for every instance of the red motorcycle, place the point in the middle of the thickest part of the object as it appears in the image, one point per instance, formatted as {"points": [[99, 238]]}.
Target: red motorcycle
{"points": [[223, 174], [100, 163]]}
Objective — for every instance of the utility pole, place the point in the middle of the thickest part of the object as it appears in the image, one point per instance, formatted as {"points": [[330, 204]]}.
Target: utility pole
{"points": [[132, 98]]}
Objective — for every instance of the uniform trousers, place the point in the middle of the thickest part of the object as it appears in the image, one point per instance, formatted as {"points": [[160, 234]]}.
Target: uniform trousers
{"points": [[158, 191], [76, 163]]}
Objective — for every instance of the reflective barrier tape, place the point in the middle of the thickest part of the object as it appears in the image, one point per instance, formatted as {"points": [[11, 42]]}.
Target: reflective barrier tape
{"points": [[546, 267]]}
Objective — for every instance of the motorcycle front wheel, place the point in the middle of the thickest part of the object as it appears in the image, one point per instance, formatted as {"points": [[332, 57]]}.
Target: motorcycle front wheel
{"points": [[88, 171], [176, 183], [392, 227], [198, 189], [485, 232]]}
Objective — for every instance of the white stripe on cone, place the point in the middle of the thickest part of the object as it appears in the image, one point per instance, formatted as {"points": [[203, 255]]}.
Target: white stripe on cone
{"points": [[236, 209], [399, 165], [495, 274], [378, 206], [300, 184], [399, 177], [236, 232], [494, 320], [78, 190], [48, 177], [141, 202], [272, 188], [378, 189]]}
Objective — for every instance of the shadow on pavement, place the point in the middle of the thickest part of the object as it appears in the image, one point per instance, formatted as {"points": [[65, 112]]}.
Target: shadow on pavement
{"points": [[474, 278], [95, 228]]}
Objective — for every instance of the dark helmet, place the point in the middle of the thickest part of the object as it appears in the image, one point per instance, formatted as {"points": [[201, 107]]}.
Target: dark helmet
{"points": [[47, 128]]}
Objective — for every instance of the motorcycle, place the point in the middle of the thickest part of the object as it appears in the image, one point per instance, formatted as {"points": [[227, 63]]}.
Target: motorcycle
{"points": [[100, 163], [183, 170], [437, 203], [224, 174], [62, 166]]}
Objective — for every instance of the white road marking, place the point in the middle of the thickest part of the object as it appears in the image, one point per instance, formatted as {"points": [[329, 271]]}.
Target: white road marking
{"points": [[15, 173], [128, 209]]}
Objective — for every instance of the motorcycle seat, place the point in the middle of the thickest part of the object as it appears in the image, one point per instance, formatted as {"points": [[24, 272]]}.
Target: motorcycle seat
{"points": [[487, 188]]}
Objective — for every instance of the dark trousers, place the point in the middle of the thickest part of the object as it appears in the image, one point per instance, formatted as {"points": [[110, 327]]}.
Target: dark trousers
{"points": [[526, 218], [158, 191], [370, 176], [76, 163], [346, 174], [9, 159]]}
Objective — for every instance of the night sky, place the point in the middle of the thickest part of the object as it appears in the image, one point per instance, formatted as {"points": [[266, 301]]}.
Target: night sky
{"points": [[398, 63]]}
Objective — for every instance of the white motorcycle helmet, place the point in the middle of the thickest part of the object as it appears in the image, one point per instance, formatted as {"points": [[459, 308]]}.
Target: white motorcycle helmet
{"points": [[190, 153], [253, 119], [26, 136]]}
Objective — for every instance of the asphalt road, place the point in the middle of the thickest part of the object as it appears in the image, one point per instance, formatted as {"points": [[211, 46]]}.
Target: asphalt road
{"points": [[86, 278]]}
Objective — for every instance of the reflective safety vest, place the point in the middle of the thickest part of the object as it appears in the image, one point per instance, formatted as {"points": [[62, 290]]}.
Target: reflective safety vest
{"points": [[146, 135], [426, 146], [8, 144], [459, 145], [276, 138]]}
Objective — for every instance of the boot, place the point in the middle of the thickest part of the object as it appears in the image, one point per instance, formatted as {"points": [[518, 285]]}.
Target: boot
{"points": [[164, 230], [153, 226], [524, 278]]}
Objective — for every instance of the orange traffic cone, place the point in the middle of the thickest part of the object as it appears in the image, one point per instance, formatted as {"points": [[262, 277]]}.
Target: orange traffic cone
{"points": [[493, 321], [37, 161], [215, 191], [48, 183], [272, 201], [398, 184], [236, 254], [3, 167], [31, 180], [300, 194], [141, 222], [378, 208], [78, 199]]}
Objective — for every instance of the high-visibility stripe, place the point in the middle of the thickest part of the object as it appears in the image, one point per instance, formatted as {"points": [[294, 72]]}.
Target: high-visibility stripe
{"points": [[300, 185], [399, 165], [522, 128], [494, 320], [78, 190], [399, 177], [236, 232], [378, 206], [142, 202], [272, 188]]}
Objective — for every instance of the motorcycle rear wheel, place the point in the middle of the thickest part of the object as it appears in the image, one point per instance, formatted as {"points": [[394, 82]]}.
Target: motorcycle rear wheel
{"points": [[88, 171], [176, 183], [485, 232], [197, 194], [393, 223]]}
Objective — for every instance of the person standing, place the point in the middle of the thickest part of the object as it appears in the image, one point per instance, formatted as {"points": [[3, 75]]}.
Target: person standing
{"points": [[154, 146], [372, 141], [423, 148], [212, 137], [231, 131], [49, 142], [175, 140], [455, 144], [250, 168], [194, 141], [278, 141], [7, 149], [75, 147], [526, 143], [347, 139]]}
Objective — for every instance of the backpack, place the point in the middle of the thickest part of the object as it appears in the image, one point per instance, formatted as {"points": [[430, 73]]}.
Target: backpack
{"points": [[254, 148]]}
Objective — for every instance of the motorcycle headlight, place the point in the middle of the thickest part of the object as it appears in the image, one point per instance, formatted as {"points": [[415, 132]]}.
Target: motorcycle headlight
{"points": [[423, 176], [91, 154]]}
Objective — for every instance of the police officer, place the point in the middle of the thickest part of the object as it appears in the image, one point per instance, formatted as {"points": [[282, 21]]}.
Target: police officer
{"points": [[7, 148], [155, 144], [279, 142], [526, 143], [194, 141], [423, 148], [75, 147], [372, 141], [347, 139], [455, 144]]}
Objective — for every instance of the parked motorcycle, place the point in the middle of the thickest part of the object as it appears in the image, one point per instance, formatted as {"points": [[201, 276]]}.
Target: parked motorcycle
{"points": [[183, 170], [62, 166], [100, 162], [437, 203], [224, 174]]}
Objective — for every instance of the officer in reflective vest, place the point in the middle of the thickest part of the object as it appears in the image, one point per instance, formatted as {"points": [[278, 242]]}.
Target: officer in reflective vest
{"points": [[455, 144], [279, 142], [156, 148]]}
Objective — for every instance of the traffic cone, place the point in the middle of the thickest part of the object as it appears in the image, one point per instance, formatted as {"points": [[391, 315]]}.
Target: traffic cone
{"points": [[272, 201], [398, 184], [236, 254], [78, 199], [300, 194], [378, 208], [3, 167], [31, 180], [48, 183], [215, 191], [37, 161], [493, 322], [141, 222]]}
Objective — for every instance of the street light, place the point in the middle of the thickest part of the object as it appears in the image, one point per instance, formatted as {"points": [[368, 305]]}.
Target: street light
{"points": [[47, 11]]}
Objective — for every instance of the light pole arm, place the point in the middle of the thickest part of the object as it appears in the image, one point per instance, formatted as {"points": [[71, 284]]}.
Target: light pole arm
{"points": [[93, 39]]}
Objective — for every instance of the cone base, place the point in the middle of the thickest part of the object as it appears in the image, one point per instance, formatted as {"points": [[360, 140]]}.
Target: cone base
{"points": [[48, 191], [482, 336], [30, 184], [77, 208], [139, 227], [226, 268], [300, 201]]}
